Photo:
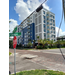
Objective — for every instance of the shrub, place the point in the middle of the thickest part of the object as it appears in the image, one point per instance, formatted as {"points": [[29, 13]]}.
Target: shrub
{"points": [[39, 47], [45, 47]]}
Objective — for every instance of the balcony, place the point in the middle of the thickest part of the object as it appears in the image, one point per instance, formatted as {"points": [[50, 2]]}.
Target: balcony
{"points": [[29, 31], [28, 27], [48, 21], [48, 25]]}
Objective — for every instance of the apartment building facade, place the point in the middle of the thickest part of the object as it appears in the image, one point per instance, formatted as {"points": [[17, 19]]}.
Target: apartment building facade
{"points": [[41, 23]]}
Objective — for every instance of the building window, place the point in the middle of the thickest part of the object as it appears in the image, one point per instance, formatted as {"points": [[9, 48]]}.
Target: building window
{"points": [[53, 21], [53, 24], [47, 27], [51, 31], [44, 21], [50, 15], [44, 26], [47, 31], [44, 17], [43, 12], [47, 36], [51, 27], [53, 17], [44, 35], [47, 22], [50, 23], [44, 30]]}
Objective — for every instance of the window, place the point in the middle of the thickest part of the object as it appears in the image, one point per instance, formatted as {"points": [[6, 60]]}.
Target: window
{"points": [[50, 15], [50, 23], [51, 32], [47, 36], [44, 21], [51, 27], [47, 18], [53, 17], [44, 26], [47, 27], [43, 12], [44, 17], [53, 24], [44, 30], [53, 21], [47, 31], [47, 22], [44, 35]]}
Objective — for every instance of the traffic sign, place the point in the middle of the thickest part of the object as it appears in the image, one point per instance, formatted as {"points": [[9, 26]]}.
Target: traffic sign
{"points": [[15, 29], [15, 34], [14, 42]]}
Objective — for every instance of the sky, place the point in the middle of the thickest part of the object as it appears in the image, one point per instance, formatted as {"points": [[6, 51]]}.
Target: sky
{"points": [[20, 9]]}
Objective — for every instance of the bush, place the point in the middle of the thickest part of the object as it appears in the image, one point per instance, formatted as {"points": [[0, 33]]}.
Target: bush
{"points": [[39, 47], [54, 46], [45, 47], [49, 46]]}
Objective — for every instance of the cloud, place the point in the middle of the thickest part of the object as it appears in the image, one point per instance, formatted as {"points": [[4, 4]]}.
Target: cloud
{"points": [[23, 8], [61, 33], [12, 24]]}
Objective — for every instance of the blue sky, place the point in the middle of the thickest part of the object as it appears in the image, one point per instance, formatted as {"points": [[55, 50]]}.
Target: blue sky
{"points": [[19, 10]]}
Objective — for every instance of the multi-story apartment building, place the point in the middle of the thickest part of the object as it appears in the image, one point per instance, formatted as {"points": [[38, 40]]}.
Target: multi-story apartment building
{"points": [[40, 23]]}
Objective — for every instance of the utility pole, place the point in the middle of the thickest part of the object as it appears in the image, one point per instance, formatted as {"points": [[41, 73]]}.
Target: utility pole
{"points": [[63, 4]]}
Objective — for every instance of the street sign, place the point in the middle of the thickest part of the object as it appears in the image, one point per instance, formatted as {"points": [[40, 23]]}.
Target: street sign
{"points": [[15, 29], [14, 42], [15, 34]]}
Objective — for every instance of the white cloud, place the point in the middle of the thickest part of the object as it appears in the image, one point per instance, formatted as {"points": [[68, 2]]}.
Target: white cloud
{"points": [[23, 9], [12, 24], [60, 32]]}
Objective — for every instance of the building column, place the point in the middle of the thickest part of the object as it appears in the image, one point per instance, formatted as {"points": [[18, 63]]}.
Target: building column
{"points": [[42, 24]]}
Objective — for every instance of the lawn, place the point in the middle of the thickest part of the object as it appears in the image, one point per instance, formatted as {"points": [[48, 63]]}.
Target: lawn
{"points": [[40, 72]]}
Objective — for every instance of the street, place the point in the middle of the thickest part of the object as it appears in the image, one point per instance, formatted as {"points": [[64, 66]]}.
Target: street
{"points": [[46, 59]]}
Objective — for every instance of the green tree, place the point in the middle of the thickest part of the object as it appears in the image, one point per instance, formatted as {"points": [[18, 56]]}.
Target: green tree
{"points": [[51, 43], [43, 42], [38, 39], [29, 44]]}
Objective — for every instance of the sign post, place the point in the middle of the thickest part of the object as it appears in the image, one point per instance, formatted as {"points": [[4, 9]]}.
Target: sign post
{"points": [[14, 46]]}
